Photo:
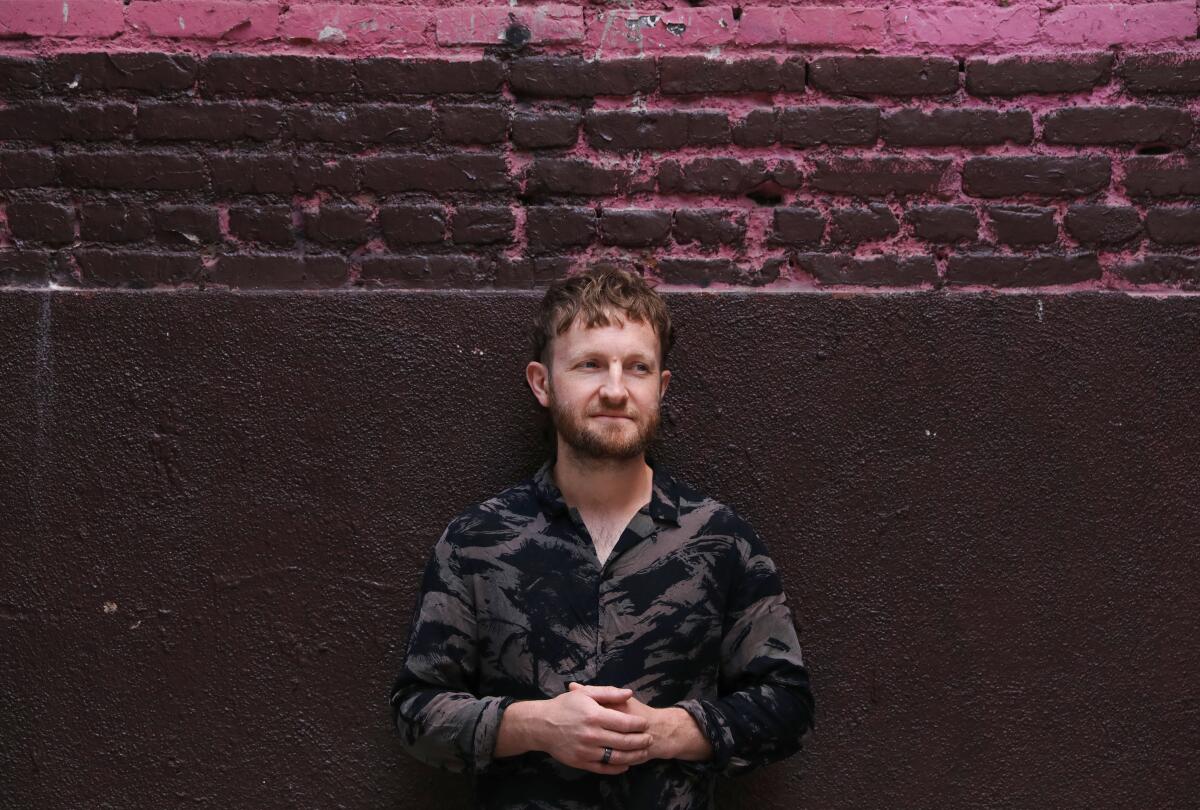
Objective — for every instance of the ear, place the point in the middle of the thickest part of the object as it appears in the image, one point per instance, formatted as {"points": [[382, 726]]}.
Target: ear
{"points": [[664, 381], [538, 377]]}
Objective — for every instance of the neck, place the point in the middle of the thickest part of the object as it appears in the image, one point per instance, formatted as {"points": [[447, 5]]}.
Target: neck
{"points": [[602, 484]]}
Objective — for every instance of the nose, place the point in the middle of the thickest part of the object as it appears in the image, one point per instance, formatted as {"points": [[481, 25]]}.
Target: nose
{"points": [[614, 389]]}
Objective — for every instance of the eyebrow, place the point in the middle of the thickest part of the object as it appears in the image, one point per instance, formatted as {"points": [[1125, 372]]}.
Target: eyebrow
{"points": [[586, 353]]}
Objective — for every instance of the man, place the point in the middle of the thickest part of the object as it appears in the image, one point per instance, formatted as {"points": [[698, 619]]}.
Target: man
{"points": [[601, 635]]}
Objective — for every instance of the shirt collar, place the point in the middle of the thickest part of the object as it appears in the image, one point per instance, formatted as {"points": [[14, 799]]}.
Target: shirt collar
{"points": [[664, 496]]}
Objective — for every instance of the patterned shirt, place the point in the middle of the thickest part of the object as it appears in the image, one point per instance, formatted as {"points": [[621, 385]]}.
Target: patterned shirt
{"points": [[687, 611]]}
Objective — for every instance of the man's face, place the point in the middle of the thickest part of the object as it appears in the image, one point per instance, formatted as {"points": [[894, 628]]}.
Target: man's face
{"points": [[605, 388]]}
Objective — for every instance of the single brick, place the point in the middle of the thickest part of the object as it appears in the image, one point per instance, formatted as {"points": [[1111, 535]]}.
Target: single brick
{"points": [[544, 129], [47, 222], [862, 224], [26, 267], [363, 123], [90, 19], [266, 224], [482, 225], [841, 125], [339, 23], [1016, 75], [335, 224], [141, 169], [279, 271], [338, 174], [252, 174], [797, 226], [1032, 174], [870, 271], [209, 121], [1173, 176], [20, 77], [699, 272], [473, 123], [256, 76], [514, 26], [758, 128], [404, 225], [27, 168], [884, 75], [715, 175], [214, 20], [1161, 73], [51, 121], [1021, 270], [681, 75], [550, 228], [137, 269], [1118, 125], [187, 225], [1175, 271], [572, 176], [1102, 224], [435, 173], [709, 226], [572, 77], [385, 77], [625, 131], [1174, 226], [878, 177], [1023, 225], [634, 227], [943, 223], [427, 272], [143, 72], [950, 127], [113, 222], [530, 272]]}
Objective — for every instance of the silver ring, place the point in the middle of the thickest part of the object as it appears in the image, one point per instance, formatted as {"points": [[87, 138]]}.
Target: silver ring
{"points": [[607, 756]]}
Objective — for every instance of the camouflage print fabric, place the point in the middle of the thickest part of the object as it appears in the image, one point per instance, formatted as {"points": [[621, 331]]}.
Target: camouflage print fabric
{"points": [[687, 611]]}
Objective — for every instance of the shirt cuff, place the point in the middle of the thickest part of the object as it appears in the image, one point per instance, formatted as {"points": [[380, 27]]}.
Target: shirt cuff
{"points": [[705, 716], [487, 729]]}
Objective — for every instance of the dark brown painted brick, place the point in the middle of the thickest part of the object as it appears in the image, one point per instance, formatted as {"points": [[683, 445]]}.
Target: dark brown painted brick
{"points": [[1016, 75], [405, 225], [709, 226], [136, 269], [1161, 73], [271, 271], [576, 177], [20, 77], [266, 224], [335, 223], [712, 175], [113, 222], [27, 168], [252, 174], [681, 75], [552, 227], [1102, 224], [363, 123], [868, 224], [427, 272], [1021, 270], [948, 127], [758, 128], [700, 272], [1173, 176], [26, 267], [943, 223], [472, 123], [542, 129], [630, 227], [1174, 226], [871, 271], [143, 72], [1033, 174], [530, 272], [625, 131], [142, 169], [386, 77], [793, 74], [884, 75], [1180, 271], [1118, 125], [257, 76], [843, 125], [210, 121], [42, 221], [339, 174], [436, 173], [1023, 225], [797, 226], [572, 77], [51, 121], [879, 177], [482, 225], [186, 225]]}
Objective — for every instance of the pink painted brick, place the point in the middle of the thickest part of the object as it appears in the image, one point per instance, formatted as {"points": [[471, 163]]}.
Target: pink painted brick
{"points": [[333, 23], [1114, 24], [61, 18], [964, 25], [661, 31], [834, 25], [486, 25], [761, 25], [194, 19]]}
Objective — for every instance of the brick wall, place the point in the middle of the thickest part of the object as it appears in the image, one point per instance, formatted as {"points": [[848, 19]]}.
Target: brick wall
{"points": [[266, 145]]}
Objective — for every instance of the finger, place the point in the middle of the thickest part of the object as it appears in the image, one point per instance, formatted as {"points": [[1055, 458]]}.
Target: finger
{"points": [[620, 742], [621, 722], [602, 694], [627, 758]]}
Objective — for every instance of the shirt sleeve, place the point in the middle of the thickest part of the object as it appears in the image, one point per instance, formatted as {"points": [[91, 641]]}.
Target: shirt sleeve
{"points": [[434, 708], [764, 711]]}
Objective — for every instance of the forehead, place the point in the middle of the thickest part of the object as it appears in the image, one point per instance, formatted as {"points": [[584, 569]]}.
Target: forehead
{"points": [[621, 335]]}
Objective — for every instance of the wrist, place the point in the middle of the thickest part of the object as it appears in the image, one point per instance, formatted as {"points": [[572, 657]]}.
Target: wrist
{"points": [[519, 729], [683, 738]]}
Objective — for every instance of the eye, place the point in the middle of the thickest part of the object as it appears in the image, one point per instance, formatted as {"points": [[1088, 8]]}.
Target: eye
{"points": [[642, 367]]}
